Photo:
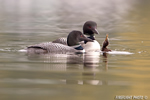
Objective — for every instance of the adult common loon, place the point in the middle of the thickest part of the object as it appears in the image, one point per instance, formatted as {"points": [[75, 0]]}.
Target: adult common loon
{"points": [[89, 29], [73, 45]]}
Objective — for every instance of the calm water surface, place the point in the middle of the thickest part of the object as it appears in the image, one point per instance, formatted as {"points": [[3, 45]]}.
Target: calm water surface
{"points": [[90, 76]]}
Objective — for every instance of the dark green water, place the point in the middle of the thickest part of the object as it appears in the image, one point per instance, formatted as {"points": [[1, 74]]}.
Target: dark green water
{"points": [[74, 77]]}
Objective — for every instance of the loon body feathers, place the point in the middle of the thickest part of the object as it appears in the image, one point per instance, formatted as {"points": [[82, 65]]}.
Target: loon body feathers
{"points": [[73, 45]]}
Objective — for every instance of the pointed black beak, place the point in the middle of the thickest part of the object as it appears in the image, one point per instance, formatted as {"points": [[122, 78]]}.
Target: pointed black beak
{"points": [[95, 31], [83, 38]]}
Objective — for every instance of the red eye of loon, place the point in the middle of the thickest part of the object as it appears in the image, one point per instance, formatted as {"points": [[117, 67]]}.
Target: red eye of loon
{"points": [[81, 35], [90, 27]]}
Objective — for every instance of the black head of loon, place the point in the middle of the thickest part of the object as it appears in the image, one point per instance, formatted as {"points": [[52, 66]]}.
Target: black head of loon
{"points": [[90, 28], [75, 37]]}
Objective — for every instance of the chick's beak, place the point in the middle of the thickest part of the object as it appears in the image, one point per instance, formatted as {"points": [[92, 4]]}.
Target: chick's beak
{"points": [[106, 39]]}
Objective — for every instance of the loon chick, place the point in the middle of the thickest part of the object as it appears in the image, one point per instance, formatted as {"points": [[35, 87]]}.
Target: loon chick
{"points": [[73, 40], [105, 44], [89, 28]]}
